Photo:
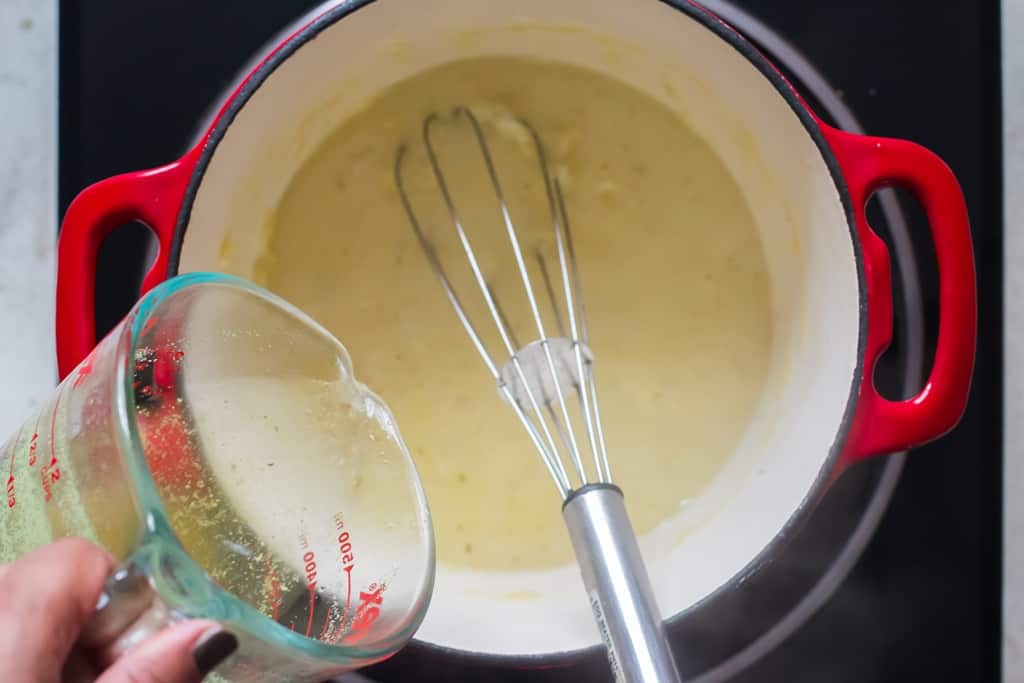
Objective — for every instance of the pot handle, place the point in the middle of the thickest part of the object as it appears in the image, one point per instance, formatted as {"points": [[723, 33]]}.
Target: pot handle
{"points": [[152, 197], [880, 425]]}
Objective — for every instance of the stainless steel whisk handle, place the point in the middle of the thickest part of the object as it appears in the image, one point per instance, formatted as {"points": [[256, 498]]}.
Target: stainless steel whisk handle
{"points": [[617, 584]]}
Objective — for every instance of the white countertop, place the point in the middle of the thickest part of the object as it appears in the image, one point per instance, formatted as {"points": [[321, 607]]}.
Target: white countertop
{"points": [[28, 225], [28, 206]]}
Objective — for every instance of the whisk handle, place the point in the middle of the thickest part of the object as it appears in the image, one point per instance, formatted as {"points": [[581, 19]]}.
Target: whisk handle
{"points": [[619, 590]]}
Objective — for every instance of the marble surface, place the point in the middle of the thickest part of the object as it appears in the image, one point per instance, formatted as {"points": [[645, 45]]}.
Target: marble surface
{"points": [[28, 206], [28, 224]]}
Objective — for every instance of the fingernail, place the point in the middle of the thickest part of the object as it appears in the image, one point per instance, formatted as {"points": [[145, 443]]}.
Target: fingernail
{"points": [[212, 648]]}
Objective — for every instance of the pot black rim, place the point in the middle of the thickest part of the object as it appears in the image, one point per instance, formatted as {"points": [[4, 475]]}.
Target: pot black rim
{"points": [[764, 66]]}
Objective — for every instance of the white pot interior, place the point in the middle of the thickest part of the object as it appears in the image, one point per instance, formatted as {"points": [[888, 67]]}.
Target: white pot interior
{"points": [[784, 180]]}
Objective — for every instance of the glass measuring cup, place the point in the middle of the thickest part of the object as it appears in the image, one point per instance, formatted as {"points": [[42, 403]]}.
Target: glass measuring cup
{"points": [[218, 443]]}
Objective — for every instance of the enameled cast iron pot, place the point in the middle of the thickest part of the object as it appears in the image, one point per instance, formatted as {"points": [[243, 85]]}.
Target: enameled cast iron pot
{"points": [[806, 185]]}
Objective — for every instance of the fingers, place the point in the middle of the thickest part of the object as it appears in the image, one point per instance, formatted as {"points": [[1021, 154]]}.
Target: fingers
{"points": [[184, 653], [48, 595], [45, 597]]}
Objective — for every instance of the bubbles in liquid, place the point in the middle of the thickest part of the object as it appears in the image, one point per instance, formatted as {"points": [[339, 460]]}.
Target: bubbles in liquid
{"points": [[275, 510]]}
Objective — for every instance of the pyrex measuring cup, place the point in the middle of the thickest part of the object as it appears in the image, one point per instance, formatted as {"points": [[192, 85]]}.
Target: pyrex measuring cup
{"points": [[218, 444]]}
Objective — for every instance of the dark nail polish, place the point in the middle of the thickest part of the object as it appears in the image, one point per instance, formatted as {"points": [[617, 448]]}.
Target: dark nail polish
{"points": [[213, 649]]}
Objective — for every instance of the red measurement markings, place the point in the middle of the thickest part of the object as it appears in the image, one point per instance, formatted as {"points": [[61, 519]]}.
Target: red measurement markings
{"points": [[49, 474], [347, 558], [150, 323], [275, 589], [309, 560], [84, 370], [11, 499], [33, 444], [370, 602], [323, 637]]}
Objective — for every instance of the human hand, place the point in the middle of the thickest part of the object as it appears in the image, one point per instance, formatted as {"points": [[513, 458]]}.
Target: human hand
{"points": [[47, 596]]}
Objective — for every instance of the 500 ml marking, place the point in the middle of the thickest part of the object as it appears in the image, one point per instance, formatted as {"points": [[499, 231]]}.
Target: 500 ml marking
{"points": [[354, 623], [370, 600], [348, 558], [331, 630], [350, 624]]}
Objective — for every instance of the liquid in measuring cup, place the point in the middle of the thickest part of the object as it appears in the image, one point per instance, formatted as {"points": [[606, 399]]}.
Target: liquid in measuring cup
{"points": [[218, 445], [32, 462], [63, 476], [277, 488]]}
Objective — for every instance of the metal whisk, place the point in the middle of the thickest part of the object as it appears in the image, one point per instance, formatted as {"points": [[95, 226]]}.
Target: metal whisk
{"points": [[538, 380]]}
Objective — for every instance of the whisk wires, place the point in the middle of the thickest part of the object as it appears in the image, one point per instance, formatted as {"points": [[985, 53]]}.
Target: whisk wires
{"points": [[528, 398]]}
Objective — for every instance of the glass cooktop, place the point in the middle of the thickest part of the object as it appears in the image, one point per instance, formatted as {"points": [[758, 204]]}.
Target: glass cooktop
{"points": [[923, 599]]}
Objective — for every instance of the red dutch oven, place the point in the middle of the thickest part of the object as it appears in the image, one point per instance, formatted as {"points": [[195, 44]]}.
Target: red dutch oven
{"points": [[805, 182]]}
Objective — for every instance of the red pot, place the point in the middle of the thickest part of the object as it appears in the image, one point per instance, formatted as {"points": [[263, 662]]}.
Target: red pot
{"points": [[835, 293]]}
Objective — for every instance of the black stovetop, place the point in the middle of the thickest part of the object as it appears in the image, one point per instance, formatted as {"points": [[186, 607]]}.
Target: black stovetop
{"points": [[924, 600]]}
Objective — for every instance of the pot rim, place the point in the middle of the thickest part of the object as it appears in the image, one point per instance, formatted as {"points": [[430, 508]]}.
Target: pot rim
{"points": [[811, 125]]}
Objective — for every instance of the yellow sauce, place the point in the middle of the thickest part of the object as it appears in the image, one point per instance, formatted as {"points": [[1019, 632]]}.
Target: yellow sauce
{"points": [[674, 278]]}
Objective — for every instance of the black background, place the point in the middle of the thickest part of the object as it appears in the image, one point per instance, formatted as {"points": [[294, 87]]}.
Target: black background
{"points": [[924, 601]]}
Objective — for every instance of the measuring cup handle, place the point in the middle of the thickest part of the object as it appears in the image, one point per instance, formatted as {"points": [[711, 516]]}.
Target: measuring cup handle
{"points": [[151, 197], [128, 612]]}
